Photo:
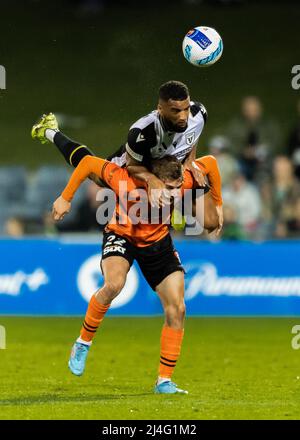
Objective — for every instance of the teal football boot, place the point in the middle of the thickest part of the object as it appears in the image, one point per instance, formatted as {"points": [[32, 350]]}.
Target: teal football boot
{"points": [[168, 387], [78, 358]]}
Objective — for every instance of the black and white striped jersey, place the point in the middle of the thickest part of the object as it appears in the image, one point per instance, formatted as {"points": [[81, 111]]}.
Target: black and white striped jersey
{"points": [[149, 139]]}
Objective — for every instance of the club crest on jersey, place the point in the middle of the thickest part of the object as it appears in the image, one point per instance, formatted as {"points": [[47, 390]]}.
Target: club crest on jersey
{"points": [[190, 138]]}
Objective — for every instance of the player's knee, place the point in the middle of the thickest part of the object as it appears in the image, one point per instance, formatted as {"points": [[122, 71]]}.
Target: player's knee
{"points": [[175, 313], [181, 314], [181, 311], [113, 287]]}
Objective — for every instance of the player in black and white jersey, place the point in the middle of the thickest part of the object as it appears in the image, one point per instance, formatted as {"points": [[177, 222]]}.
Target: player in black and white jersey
{"points": [[173, 129]]}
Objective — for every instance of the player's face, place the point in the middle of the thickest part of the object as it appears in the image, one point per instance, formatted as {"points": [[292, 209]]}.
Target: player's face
{"points": [[173, 184], [175, 114]]}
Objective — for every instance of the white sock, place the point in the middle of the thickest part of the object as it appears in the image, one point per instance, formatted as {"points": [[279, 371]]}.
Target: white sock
{"points": [[81, 341], [49, 133], [163, 379]]}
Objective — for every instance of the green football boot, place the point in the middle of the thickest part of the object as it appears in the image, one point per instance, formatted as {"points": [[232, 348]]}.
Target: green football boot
{"points": [[39, 129]]}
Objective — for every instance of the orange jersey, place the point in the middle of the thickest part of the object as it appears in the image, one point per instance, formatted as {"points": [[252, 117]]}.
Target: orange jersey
{"points": [[118, 179]]}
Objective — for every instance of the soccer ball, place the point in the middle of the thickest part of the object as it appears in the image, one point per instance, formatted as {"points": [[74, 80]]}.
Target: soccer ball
{"points": [[202, 46]]}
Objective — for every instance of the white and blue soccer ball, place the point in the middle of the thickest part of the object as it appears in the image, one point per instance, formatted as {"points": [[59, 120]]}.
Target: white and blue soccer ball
{"points": [[202, 46]]}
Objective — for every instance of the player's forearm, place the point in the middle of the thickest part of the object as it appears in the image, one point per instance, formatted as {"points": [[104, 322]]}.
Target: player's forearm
{"points": [[191, 157], [72, 151], [209, 166], [87, 166], [139, 172]]}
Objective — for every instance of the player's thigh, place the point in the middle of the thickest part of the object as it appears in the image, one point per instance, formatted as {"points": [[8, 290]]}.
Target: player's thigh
{"points": [[117, 258], [171, 290], [115, 269]]}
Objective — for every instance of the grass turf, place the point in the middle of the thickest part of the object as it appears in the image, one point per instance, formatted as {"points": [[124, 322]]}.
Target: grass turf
{"points": [[233, 368]]}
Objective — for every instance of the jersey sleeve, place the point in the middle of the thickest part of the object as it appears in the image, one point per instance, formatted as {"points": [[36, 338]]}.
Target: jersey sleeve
{"points": [[209, 167], [118, 179], [199, 109], [140, 141], [88, 165], [188, 180]]}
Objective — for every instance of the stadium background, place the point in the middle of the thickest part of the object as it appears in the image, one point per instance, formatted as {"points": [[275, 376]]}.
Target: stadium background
{"points": [[98, 65]]}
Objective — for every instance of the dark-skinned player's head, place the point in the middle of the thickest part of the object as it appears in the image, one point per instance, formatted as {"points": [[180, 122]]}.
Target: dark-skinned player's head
{"points": [[174, 105]]}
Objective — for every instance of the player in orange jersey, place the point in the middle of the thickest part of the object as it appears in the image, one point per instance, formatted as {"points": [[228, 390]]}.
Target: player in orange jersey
{"points": [[150, 244]]}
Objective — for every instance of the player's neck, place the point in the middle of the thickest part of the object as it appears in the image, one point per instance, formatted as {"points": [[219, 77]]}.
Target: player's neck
{"points": [[166, 125]]}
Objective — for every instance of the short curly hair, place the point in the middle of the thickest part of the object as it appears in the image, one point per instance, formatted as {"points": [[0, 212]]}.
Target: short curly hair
{"points": [[174, 90]]}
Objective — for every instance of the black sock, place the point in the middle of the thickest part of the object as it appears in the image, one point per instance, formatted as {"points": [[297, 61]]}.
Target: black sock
{"points": [[72, 151]]}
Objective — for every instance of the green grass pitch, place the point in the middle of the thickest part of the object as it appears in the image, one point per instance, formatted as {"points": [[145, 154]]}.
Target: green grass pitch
{"points": [[234, 368]]}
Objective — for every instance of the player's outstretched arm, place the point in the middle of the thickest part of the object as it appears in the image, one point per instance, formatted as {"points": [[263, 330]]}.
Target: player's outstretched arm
{"points": [[209, 167], [88, 165]]}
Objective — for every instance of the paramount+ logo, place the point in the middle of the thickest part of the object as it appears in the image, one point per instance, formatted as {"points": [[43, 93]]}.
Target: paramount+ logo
{"points": [[2, 78]]}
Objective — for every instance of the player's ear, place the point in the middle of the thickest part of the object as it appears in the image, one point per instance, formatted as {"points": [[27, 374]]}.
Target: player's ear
{"points": [[159, 108]]}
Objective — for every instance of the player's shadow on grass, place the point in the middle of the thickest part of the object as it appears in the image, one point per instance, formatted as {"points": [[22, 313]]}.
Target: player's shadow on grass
{"points": [[53, 398]]}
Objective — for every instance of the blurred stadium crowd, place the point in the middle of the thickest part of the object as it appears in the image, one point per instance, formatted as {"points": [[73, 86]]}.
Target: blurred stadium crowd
{"points": [[260, 174]]}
